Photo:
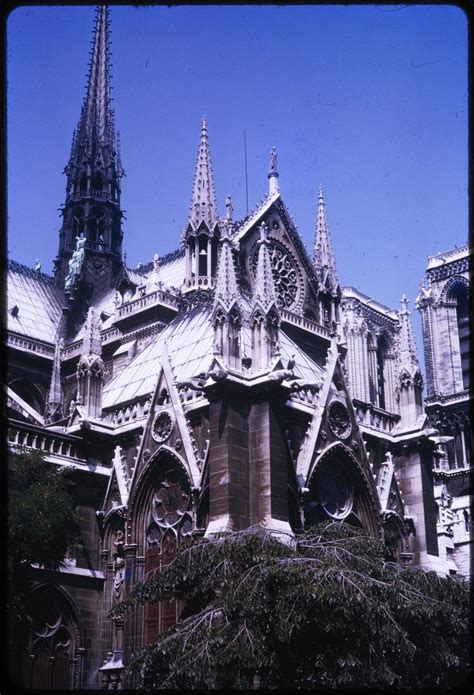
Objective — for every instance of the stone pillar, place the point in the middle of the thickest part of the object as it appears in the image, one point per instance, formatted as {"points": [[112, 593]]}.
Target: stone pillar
{"points": [[268, 467], [229, 508], [248, 474], [413, 467]]}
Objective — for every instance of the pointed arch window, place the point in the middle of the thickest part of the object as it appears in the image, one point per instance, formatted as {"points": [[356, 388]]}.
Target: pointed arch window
{"points": [[97, 222], [78, 222], [97, 182], [50, 654], [380, 366], [170, 521], [460, 295]]}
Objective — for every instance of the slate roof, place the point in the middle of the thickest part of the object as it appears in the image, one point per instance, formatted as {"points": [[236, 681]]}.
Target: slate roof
{"points": [[190, 341], [39, 303]]}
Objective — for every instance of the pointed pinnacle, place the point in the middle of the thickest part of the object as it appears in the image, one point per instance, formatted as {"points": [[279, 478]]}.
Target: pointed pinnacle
{"points": [[323, 253], [91, 343], [203, 199], [265, 292], [407, 338]]}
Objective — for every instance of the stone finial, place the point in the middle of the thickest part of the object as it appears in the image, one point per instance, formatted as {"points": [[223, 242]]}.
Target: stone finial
{"points": [[273, 186], [229, 209]]}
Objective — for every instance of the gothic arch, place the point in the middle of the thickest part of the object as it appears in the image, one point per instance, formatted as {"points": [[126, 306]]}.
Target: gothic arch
{"points": [[455, 297], [452, 287], [338, 488], [160, 515], [29, 392], [165, 463], [50, 658]]}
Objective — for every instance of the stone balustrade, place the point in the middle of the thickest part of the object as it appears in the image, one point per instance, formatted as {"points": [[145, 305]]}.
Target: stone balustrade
{"points": [[304, 323], [22, 343], [57, 443], [376, 419], [157, 297]]}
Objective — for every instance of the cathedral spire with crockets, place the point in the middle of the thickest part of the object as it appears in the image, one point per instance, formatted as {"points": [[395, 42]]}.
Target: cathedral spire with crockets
{"points": [[202, 231], [227, 313], [90, 368], [324, 259], [92, 207], [265, 316], [54, 406], [329, 292], [410, 383], [203, 200]]}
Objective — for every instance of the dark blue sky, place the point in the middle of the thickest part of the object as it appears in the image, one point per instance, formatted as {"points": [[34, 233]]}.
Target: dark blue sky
{"points": [[371, 102]]}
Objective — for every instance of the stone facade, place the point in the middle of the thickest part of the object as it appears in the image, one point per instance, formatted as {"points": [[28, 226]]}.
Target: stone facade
{"points": [[444, 306]]}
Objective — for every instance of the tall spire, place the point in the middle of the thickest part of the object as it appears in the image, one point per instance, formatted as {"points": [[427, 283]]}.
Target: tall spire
{"points": [[410, 383], [92, 207], [203, 200], [55, 396], [407, 349], [324, 259], [273, 186], [96, 123]]}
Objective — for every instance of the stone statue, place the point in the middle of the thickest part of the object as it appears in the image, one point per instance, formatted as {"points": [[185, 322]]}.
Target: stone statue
{"points": [[75, 263]]}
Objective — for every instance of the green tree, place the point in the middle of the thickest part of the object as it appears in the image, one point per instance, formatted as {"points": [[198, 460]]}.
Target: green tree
{"points": [[42, 523], [326, 611]]}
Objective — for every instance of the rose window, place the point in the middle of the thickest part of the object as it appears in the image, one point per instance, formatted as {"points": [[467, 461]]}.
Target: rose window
{"points": [[285, 275], [339, 420], [169, 504], [162, 426]]}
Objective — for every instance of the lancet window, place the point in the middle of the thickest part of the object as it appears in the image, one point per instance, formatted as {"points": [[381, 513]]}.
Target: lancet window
{"points": [[170, 520], [460, 295]]}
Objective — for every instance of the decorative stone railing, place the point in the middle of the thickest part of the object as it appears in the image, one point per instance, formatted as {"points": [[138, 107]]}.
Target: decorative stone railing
{"points": [[306, 324], [74, 349], [156, 297], [305, 396], [99, 195], [51, 442], [376, 419], [30, 345], [129, 413]]}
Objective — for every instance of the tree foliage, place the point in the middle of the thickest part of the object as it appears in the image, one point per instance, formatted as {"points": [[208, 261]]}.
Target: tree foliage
{"points": [[325, 611], [42, 521]]}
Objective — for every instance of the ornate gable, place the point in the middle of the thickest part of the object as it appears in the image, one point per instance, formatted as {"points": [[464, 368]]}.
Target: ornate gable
{"points": [[293, 272]]}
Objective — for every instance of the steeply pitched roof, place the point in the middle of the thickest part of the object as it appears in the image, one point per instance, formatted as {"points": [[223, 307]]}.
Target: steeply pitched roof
{"points": [[189, 339], [38, 300]]}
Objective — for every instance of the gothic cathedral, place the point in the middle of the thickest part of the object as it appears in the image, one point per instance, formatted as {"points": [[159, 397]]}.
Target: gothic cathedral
{"points": [[230, 383]]}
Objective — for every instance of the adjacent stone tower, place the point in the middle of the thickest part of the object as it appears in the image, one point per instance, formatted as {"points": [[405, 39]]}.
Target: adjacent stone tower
{"points": [[91, 213]]}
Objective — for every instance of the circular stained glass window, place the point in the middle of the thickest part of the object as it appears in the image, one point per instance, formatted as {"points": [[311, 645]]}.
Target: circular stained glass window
{"points": [[169, 504], [339, 420], [285, 274], [162, 426], [334, 490]]}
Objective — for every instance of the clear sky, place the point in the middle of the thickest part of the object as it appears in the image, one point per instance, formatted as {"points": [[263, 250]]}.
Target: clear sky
{"points": [[369, 101]]}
